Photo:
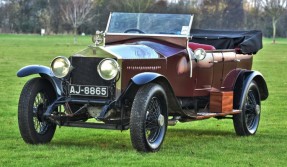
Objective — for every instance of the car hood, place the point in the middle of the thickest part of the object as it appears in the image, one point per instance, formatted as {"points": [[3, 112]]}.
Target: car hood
{"points": [[137, 50], [123, 51], [130, 51]]}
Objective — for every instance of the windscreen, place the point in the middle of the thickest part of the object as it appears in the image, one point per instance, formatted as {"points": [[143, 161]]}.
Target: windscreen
{"points": [[148, 23]]}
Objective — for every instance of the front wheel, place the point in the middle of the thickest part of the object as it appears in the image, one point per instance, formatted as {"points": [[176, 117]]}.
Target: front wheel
{"points": [[247, 122], [148, 120], [36, 95]]}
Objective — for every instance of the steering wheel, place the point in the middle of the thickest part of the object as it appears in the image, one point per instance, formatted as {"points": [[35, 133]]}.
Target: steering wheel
{"points": [[134, 29]]}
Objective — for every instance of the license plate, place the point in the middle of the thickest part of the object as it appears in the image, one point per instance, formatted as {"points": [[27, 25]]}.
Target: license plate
{"points": [[83, 90]]}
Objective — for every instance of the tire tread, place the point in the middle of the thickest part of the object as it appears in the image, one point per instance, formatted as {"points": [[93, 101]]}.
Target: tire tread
{"points": [[138, 118], [26, 128]]}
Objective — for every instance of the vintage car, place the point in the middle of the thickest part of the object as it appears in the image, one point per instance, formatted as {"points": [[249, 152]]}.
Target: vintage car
{"points": [[143, 73]]}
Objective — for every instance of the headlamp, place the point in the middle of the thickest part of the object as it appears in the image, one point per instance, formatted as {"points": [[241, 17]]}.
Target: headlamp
{"points": [[108, 69], [61, 66]]}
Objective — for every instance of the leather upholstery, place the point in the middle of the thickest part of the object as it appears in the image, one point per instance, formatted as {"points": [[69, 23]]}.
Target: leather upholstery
{"points": [[194, 46]]}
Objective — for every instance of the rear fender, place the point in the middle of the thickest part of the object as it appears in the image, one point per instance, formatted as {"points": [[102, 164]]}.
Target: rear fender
{"points": [[44, 72], [242, 83]]}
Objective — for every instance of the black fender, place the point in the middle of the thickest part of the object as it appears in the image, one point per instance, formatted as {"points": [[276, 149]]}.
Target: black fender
{"points": [[146, 77], [44, 72], [242, 83], [149, 77]]}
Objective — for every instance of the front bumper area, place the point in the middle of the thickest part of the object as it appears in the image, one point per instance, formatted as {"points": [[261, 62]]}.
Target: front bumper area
{"points": [[109, 117]]}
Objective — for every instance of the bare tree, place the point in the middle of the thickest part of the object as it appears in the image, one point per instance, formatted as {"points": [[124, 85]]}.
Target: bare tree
{"points": [[133, 5], [138, 5], [275, 9], [44, 17], [253, 14], [77, 12]]}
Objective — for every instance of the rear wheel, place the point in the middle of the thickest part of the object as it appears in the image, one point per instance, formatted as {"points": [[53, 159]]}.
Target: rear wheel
{"points": [[148, 121], [247, 122], [35, 97]]}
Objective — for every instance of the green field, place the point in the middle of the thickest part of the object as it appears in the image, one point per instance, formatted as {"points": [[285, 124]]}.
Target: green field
{"points": [[204, 143]]}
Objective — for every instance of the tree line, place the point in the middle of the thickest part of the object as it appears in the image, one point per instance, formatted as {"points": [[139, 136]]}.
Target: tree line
{"points": [[87, 16]]}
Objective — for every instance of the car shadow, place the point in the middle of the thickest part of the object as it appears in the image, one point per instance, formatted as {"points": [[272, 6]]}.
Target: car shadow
{"points": [[122, 142], [86, 138], [199, 132]]}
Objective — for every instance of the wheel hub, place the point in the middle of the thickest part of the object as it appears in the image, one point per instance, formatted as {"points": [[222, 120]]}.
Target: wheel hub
{"points": [[160, 120], [40, 112]]}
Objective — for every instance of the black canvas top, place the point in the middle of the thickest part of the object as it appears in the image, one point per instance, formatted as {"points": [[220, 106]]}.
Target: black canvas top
{"points": [[248, 42]]}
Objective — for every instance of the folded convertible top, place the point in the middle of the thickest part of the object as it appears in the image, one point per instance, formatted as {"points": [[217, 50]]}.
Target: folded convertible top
{"points": [[247, 42]]}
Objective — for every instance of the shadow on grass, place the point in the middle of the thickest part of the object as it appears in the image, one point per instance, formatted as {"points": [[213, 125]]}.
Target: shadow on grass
{"points": [[122, 142], [96, 140], [198, 132]]}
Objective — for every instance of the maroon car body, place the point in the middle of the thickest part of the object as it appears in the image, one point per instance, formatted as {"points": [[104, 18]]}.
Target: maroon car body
{"points": [[143, 76]]}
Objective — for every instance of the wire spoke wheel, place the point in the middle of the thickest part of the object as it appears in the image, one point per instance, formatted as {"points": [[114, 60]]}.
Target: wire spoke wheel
{"points": [[39, 106], [252, 111], [36, 96], [153, 127], [148, 121], [247, 122]]}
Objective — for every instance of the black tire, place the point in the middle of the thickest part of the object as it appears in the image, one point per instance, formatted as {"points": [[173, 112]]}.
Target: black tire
{"points": [[148, 120], [246, 123], [35, 97]]}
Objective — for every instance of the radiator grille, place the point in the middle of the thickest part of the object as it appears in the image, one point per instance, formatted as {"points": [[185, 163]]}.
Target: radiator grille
{"points": [[85, 72]]}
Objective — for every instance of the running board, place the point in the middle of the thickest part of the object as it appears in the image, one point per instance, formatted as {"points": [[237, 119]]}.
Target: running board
{"points": [[96, 125], [206, 115], [203, 115]]}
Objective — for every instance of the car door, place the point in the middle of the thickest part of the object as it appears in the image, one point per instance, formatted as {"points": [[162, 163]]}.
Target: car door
{"points": [[244, 61], [229, 63], [217, 70], [204, 75]]}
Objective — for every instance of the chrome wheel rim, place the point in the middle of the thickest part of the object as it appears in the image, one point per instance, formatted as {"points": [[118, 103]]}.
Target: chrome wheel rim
{"points": [[39, 106], [252, 112], [155, 124]]}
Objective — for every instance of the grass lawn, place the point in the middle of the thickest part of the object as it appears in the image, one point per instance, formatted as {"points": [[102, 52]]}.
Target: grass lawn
{"points": [[204, 143]]}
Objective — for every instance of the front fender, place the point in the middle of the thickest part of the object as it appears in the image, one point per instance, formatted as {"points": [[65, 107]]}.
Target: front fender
{"points": [[34, 69], [44, 72], [145, 77]]}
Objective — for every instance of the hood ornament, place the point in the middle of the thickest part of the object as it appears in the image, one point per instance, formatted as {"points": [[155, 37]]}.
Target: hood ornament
{"points": [[99, 38]]}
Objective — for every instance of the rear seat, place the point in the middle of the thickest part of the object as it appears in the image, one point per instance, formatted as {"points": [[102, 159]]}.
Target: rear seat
{"points": [[194, 46]]}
